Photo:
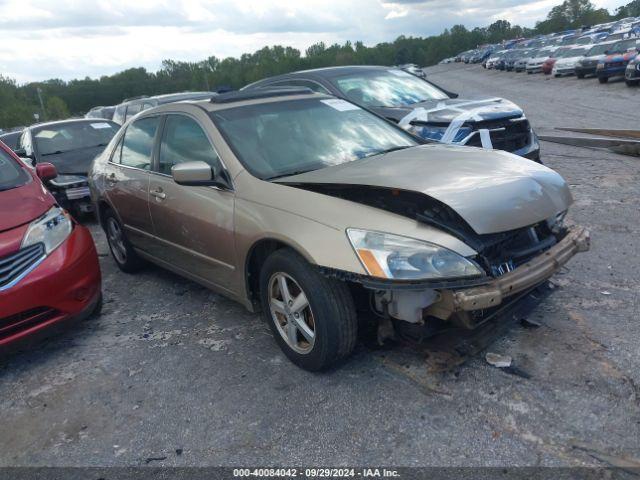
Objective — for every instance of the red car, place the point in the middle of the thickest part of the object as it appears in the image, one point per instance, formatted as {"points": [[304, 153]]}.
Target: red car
{"points": [[49, 269]]}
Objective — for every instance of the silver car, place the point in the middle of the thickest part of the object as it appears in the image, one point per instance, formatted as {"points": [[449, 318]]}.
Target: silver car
{"points": [[308, 207]]}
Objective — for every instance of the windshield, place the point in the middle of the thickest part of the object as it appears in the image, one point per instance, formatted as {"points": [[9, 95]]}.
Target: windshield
{"points": [[574, 52], [598, 50], [12, 175], [387, 88], [622, 47], [283, 138], [64, 137]]}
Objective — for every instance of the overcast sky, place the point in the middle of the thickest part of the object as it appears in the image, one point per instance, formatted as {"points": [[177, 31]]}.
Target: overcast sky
{"points": [[67, 39]]}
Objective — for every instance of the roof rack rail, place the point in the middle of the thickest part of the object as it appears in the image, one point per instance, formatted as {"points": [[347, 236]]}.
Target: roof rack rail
{"points": [[259, 93]]}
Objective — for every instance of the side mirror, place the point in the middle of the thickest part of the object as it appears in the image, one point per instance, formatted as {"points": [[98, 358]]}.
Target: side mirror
{"points": [[46, 171], [196, 173]]}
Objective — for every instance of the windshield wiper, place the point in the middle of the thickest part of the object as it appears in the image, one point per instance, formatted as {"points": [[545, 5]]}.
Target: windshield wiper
{"points": [[57, 152], [290, 174], [388, 150]]}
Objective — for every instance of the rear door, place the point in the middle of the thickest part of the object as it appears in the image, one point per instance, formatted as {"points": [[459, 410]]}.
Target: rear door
{"points": [[193, 225], [127, 178]]}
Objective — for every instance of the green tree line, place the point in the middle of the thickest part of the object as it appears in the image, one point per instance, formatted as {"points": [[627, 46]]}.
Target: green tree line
{"points": [[64, 98]]}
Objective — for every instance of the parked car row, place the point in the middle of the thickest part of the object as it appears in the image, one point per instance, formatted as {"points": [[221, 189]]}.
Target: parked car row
{"points": [[604, 51], [313, 197], [422, 108]]}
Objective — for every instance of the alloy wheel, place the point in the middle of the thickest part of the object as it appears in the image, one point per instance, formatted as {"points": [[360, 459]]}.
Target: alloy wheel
{"points": [[291, 313]]}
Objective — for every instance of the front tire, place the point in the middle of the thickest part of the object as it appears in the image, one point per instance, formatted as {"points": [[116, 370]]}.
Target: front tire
{"points": [[603, 79], [121, 249], [631, 83], [312, 317]]}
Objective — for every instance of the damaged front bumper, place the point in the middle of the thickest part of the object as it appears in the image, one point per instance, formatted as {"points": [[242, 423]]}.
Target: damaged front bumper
{"points": [[525, 277]]}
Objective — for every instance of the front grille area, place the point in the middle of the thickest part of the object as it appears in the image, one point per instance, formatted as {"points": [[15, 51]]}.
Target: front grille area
{"points": [[502, 252], [22, 321], [508, 135], [18, 263]]}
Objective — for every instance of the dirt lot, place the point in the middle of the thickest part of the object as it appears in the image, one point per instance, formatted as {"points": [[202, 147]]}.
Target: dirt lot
{"points": [[173, 370]]}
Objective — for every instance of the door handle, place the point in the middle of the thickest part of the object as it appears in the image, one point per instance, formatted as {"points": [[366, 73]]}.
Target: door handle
{"points": [[158, 193]]}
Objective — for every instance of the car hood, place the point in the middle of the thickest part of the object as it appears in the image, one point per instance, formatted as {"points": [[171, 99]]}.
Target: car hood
{"points": [[445, 111], [24, 204], [493, 191], [74, 162]]}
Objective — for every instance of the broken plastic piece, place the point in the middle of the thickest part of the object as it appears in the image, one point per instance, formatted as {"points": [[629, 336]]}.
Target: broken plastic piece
{"points": [[497, 360]]}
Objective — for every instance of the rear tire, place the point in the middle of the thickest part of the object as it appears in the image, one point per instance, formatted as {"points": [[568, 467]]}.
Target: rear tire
{"points": [[603, 79], [312, 317], [122, 251], [580, 75]]}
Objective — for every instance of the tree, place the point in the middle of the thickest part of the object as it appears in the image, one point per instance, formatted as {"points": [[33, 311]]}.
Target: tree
{"points": [[56, 109], [631, 9], [78, 96]]}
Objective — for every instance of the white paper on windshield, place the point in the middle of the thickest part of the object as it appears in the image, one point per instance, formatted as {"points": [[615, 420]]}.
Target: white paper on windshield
{"points": [[100, 125], [399, 73], [340, 105], [46, 134]]}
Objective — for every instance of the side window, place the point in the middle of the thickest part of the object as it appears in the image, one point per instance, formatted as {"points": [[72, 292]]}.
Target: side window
{"points": [[138, 143], [316, 87], [184, 140], [132, 109], [119, 114]]}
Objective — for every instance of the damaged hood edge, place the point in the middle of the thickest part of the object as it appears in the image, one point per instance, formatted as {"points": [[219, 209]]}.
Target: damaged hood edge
{"points": [[493, 191]]}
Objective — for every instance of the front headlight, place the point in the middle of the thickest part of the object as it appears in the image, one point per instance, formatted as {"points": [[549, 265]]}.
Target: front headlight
{"points": [[436, 133], [51, 229], [385, 255]]}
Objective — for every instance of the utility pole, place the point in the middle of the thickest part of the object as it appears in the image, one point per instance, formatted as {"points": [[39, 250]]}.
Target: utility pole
{"points": [[44, 114]]}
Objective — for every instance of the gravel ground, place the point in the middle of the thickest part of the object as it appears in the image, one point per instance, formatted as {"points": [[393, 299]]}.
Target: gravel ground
{"points": [[171, 370]]}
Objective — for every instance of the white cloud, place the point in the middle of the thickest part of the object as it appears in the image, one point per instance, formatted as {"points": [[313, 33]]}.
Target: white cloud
{"points": [[75, 38]]}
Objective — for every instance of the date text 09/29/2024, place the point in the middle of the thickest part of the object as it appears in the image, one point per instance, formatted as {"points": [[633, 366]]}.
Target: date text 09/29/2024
{"points": [[316, 472]]}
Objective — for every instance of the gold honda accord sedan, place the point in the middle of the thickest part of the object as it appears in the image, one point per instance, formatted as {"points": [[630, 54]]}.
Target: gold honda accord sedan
{"points": [[311, 209]]}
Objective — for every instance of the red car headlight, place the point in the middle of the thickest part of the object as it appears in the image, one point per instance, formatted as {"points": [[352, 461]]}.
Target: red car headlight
{"points": [[51, 229]]}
